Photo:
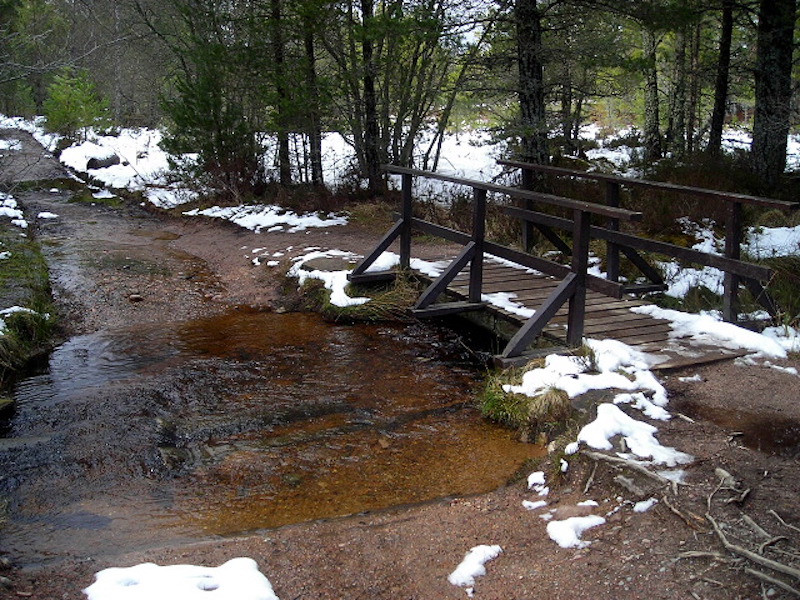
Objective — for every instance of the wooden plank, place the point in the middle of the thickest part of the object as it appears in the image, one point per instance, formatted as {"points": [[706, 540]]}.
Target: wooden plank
{"points": [[446, 308], [607, 317], [372, 277], [383, 244], [627, 329], [513, 287], [707, 357], [635, 340]]}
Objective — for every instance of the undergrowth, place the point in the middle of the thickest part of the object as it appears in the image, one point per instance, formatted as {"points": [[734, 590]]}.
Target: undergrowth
{"points": [[389, 301], [541, 418], [24, 282]]}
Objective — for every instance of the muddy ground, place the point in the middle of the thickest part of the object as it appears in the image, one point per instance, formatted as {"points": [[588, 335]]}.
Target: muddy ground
{"points": [[127, 265]]}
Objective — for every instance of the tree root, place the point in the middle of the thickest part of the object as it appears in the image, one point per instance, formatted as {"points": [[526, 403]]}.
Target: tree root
{"points": [[694, 521], [634, 466], [752, 556], [772, 581]]}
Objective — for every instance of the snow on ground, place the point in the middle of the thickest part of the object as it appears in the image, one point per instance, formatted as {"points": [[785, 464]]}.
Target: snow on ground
{"points": [[10, 208], [268, 218], [709, 329], [473, 565], [10, 145], [237, 579], [567, 533]]}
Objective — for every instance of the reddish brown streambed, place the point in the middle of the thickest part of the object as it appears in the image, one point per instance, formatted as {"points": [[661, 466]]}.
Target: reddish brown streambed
{"points": [[248, 420]]}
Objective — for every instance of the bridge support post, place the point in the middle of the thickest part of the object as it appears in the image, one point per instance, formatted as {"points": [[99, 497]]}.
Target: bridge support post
{"points": [[478, 235], [406, 215], [528, 237], [580, 262], [733, 238], [612, 250]]}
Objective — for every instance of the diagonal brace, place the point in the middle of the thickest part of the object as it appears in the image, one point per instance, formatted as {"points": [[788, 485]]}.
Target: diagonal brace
{"points": [[534, 326], [433, 291], [385, 242]]}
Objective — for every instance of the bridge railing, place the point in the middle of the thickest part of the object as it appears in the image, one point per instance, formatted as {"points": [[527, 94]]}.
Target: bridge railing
{"points": [[736, 271], [575, 279]]}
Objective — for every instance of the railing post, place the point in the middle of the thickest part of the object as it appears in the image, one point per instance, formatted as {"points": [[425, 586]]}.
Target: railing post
{"points": [[612, 250], [478, 235], [580, 262], [528, 237], [405, 231], [733, 238]]}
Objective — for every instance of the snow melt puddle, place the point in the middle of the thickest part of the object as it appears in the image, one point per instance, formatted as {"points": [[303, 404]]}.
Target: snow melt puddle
{"points": [[235, 423]]}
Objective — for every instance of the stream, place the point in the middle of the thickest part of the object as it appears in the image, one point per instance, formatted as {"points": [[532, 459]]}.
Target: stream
{"points": [[134, 438]]}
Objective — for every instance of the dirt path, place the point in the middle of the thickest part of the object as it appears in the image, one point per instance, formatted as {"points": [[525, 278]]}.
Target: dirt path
{"points": [[116, 266]]}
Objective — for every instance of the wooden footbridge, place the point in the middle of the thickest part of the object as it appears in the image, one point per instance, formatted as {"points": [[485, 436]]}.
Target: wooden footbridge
{"points": [[566, 302]]}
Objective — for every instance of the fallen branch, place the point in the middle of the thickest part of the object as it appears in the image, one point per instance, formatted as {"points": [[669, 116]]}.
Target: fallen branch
{"points": [[752, 556], [629, 464]]}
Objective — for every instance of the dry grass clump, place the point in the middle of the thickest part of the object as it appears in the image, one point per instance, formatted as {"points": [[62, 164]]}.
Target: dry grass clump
{"points": [[537, 418]]}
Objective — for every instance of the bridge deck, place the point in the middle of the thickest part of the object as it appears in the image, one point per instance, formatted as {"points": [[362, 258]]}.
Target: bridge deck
{"points": [[606, 317]]}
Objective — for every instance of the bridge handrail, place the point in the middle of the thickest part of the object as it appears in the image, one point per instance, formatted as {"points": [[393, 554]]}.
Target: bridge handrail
{"points": [[657, 185], [570, 203], [733, 222]]}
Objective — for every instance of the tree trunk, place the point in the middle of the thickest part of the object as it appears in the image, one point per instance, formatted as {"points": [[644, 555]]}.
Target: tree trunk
{"points": [[372, 157], [692, 117], [652, 131], [314, 126], [284, 152], [721, 85], [533, 122], [677, 133], [776, 19], [567, 123]]}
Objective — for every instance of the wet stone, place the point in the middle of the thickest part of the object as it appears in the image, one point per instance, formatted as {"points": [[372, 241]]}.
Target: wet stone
{"points": [[329, 264]]}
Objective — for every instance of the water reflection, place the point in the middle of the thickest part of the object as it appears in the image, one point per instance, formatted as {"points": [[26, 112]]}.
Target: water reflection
{"points": [[239, 422]]}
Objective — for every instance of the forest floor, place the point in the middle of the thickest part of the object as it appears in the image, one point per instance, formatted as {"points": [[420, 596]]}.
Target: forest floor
{"points": [[743, 419]]}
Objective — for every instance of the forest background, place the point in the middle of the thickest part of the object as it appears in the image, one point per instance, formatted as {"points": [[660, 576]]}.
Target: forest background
{"points": [[250, 87]]}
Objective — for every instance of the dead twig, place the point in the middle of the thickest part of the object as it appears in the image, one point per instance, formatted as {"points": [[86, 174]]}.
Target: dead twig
{"points": [[782, 522], [692, 520], [752, 556], [702, 554], [590, 481], [772, 581]]}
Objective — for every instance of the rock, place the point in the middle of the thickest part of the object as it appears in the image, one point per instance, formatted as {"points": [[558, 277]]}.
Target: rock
{"points": [[102, 163], [331, 263], [135, 298]]}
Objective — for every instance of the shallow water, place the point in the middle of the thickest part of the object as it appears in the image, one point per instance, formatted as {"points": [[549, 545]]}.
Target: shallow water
{"points": [[135, 438]]}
